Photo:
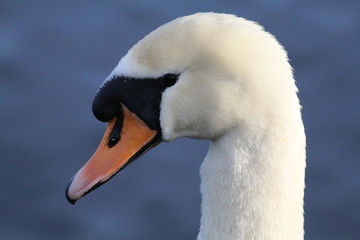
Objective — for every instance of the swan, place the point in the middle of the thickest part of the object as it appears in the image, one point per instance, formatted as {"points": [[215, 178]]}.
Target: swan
{"points": [[218, 77]]}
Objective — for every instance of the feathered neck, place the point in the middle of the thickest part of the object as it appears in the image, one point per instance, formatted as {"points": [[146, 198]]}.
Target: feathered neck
{"points": [[253, 184]]}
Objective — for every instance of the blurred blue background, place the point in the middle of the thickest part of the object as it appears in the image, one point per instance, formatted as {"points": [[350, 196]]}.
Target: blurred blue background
{"points": [[54, 55]]}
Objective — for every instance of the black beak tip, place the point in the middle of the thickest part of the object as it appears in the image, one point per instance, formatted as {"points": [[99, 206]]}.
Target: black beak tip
{"points": [[72, 201]]}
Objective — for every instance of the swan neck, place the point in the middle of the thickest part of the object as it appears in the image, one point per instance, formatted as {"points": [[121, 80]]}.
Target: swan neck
{"points": [[252, 186]]}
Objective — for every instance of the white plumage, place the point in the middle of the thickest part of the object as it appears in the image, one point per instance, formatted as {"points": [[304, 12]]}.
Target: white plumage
{"points": [[236, 88]]}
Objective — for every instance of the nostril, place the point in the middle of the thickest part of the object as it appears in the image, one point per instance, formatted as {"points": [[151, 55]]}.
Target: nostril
{"points": [[115, 134], [113, 141]]}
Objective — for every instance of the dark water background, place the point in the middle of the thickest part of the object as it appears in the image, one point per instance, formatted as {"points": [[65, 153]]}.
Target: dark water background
{"points": [[54, 55]]}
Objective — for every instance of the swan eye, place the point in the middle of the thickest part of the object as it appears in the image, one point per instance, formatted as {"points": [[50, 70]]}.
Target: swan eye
{"points": [[169, 79]]}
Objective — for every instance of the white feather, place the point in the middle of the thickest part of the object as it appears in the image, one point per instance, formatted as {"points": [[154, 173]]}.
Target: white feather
{"points": [[235, 88]]}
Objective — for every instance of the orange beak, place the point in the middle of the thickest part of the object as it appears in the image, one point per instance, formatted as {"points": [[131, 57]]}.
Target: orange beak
{"points": [[135, 138]]}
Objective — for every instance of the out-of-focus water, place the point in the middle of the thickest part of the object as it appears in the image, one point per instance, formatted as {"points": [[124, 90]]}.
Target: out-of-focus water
{"points": [[54, 55]]}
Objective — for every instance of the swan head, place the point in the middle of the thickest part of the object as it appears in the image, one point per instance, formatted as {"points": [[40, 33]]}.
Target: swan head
{"points": [[197, 76]]}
